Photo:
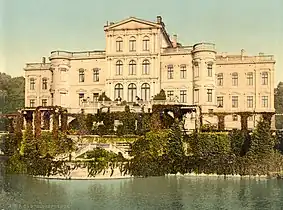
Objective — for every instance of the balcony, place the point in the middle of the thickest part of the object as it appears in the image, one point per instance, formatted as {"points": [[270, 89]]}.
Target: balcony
{"points": [[204, 47], [244, 59], [75, 55], [37, 66]]}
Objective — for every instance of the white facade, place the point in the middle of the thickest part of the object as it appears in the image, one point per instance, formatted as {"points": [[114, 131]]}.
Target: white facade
{"points": [[140, 59]]}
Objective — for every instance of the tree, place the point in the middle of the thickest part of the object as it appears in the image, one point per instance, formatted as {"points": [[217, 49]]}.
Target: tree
{"points": [[278, 104], [104, 97], [160, 96]]}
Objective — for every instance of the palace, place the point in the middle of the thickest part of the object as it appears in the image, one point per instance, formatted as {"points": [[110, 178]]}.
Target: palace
{"points": [[141, 59]]}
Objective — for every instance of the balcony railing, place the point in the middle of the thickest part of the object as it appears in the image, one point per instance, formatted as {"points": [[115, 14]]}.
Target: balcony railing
{"points": [[37, 66], [85, 54], [237, 58], [204, 46]]}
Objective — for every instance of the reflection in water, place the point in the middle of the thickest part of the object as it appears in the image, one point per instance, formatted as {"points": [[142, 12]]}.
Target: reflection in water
{"points": [[23, 192]]}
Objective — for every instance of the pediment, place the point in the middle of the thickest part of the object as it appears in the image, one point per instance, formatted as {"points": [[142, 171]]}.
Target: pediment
{"points": [[81, 91], [95, 90], [132, 23], [235, 93]]}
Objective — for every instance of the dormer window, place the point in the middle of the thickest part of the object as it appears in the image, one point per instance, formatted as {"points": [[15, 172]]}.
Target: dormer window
{"points": [[119, 44]]}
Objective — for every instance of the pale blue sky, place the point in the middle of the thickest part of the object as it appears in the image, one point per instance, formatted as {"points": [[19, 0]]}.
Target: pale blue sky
{"points": [[30, 29]]}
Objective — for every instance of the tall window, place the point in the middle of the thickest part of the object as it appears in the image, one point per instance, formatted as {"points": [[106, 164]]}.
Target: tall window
{"points": [[132, 67], [235, 117], [234, 79], [196, 69], [32, 102], [132, 92], [145, 43], [170, 94], [209, 95], [44, 102], [264, 101], [118, 91], [95, 97], [81, 75], [119, 67], [220, 103], [96, 75], [183, 96], [250, 78], [250, 101], [145, 91], [264, 78], [170, 72], [44, 84], [81, 97], [220, 79], [234, 101], [119, 44], [32, 84], [183, 72], [145, 67], [132, 44], [209, 69], [196, 96]]}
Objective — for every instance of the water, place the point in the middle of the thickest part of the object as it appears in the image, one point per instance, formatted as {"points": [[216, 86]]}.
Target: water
{"points": [[22, 192]]}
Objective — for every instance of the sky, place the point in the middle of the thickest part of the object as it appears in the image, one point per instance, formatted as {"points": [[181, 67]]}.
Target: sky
{"points": [[31, 29]]}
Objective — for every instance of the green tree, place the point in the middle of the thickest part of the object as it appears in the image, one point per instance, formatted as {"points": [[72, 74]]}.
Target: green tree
{"points": [[278, 104], [160, 96]]}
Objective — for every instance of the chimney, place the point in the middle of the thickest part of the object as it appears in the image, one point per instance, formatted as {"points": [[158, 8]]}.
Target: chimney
{"points": [[43, 60], [174, 40], [159, 19]]}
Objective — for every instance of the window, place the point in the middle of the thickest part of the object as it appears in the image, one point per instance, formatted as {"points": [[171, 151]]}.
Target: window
{"points": [[196, 69], [235, 117], [32, 102], [250, 101], [220, 101], [145, 91], [132, 67], [96, 75], [170, 72], [170, 94], [32, 83], [44, 102], [264, 101], [209, 70], [196, 96], [81, 75], [209, 95], [119, 67], [234, 79], [118, 91], [119, 44], [132, 44], [44, 84], [145, 67], [95, 97], [234, 101], [264, 78], [250, 78], [183, 96], [220, 79], [132, 92], [145, 43], [183, 72], [81, 97]]}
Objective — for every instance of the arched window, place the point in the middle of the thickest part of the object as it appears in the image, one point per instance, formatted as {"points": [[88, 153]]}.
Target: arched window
{"points": [[220, 79], [96, 75], [32, 83], [235, 79], [264, 78], [44, 83], [145, 91], [132, 67], [145, 67], [81, 75], [145, 43], [118, 90], [119, 67], [132, 44], [132, 92], [119, 44]]}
